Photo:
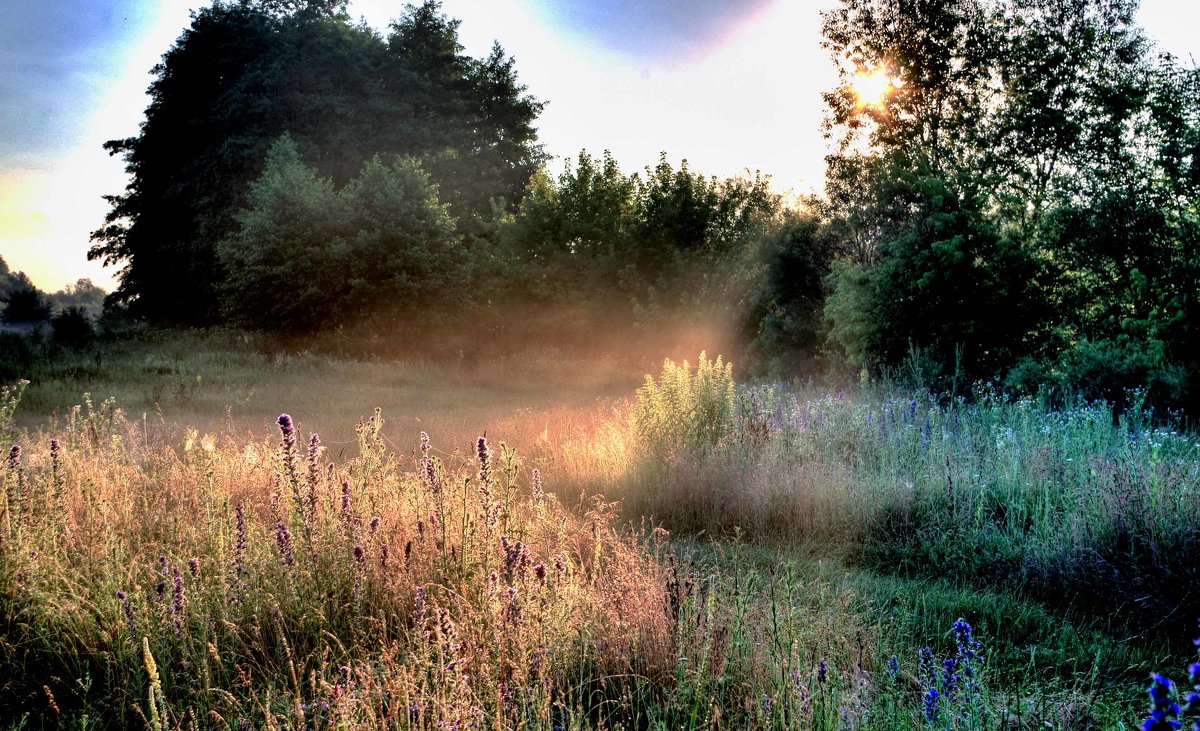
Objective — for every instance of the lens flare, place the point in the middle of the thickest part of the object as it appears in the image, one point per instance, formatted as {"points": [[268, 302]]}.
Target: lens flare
{"points": [[871, 88]]}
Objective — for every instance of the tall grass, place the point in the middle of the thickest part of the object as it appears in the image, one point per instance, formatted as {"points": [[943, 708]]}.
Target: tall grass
{"points": [[170, 578], [219, 584], [1078, 506]]}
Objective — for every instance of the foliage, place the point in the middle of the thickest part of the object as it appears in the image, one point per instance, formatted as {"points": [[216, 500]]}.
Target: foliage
{"points": [[82, 294], [784, 319], [654, 246], [684, 409], [244, 72], [25, 304], [1025, 187], [305, 255], [72, 327]]}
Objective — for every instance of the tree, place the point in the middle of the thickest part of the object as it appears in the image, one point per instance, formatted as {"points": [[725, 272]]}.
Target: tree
{"points": [[245, 71], [306, 256], [26, 304], [1029, 156], [785, 320], [668, 241]]}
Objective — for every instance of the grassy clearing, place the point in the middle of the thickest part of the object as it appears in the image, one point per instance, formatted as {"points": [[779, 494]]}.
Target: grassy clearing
{"points": [[810, 541]]}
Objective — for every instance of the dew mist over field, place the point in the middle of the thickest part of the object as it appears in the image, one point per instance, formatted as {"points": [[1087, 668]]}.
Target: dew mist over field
{"points": [[394, 421]]}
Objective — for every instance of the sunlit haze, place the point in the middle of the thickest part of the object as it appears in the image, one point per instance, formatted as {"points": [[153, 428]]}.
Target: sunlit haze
{"points": [[637, 78]]}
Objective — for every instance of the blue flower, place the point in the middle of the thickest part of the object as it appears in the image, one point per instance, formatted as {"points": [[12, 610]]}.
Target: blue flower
{"points": [[931, 705], [1164, 712]]}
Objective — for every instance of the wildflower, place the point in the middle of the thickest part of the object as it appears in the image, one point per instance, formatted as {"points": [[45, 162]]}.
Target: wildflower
{"points": [[931, 710], [374, 525], [309, 506], [481, 448], [950, 677], [1164, 711], [513, 611], [194, 567], [14, 457], [56, 466], [538, 494], [237, 564], [419, 606], [289, 430], [925, 666], [967, 657], [823, 671], [283, 539], [359, 554], [893, 666], [384, 552], [539, 570], [127, 610], [177, 599]]}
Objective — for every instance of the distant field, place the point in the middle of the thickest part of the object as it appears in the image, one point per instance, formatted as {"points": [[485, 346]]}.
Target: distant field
{"points": [[808, 539], [222, 385]]}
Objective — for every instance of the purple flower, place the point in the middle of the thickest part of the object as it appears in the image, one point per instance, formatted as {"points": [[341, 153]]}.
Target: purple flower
{"points": [[283, 539], [127, 610], [485, 462], [823, 671], [14, 457]]}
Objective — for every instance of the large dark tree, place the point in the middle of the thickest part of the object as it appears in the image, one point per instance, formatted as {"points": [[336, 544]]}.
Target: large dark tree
{"points": [[244, 73]]}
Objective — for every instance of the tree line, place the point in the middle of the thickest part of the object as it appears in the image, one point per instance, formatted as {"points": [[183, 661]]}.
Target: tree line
{"points": [[1020, 207]]}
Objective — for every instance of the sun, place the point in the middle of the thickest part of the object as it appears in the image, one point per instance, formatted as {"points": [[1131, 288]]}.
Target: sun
{"points": [[870, 88]]}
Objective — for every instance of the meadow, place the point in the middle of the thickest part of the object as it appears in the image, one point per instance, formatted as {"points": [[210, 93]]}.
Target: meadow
{"points": [[541, 540]]}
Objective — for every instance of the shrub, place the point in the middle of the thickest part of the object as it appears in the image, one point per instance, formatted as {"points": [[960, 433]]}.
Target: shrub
{"points": [[685, 409]]}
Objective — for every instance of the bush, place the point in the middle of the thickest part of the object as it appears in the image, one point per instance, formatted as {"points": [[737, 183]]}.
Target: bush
{"points": [[72, 328]]}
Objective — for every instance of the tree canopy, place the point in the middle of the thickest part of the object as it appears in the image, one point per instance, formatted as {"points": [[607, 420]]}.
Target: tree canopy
{"points": [[245, 72], [1025, 191]]}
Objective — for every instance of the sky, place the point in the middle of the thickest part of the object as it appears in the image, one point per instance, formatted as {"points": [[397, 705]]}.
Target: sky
{"points": [[731, 85]]}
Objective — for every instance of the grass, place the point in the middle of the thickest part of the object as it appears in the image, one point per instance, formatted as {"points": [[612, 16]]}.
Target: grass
{"points": [[768, 555]]}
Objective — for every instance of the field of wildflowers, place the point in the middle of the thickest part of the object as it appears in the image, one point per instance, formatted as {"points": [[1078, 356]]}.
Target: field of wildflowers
{"points": [[774, 562]]}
